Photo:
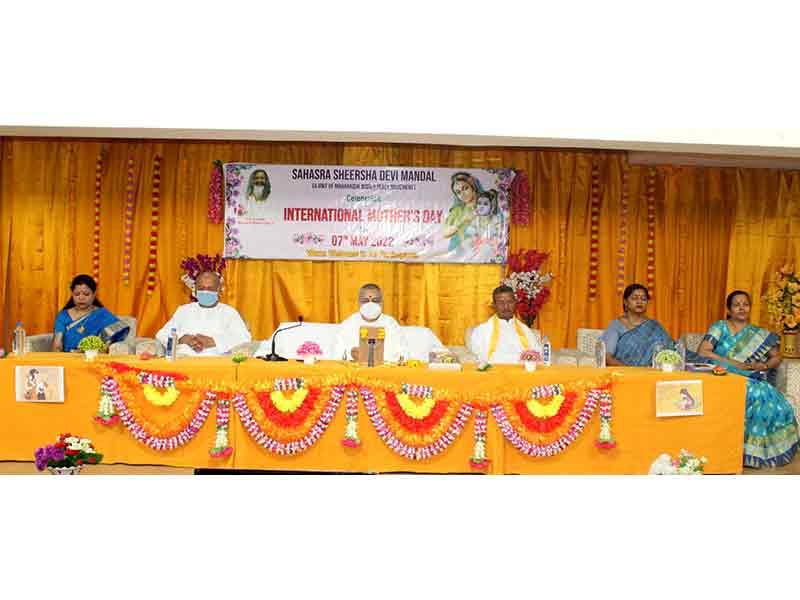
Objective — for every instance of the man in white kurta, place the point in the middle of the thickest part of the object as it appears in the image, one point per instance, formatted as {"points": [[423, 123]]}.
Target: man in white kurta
{"points": [[510, 335], [206, 327], [370, 314]]}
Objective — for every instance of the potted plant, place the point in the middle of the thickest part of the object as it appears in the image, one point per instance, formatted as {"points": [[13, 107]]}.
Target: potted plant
{"points": [[530, 358], [91, 345], [67, 456], [528, 282], [309, 352], [783, 306], [667, 360]]}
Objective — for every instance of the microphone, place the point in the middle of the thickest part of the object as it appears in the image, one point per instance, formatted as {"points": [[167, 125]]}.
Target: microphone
{"points": [[273, 356]]}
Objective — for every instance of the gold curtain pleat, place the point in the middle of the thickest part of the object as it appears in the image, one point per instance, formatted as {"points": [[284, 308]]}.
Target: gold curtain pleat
{"points": [[716, 230]]}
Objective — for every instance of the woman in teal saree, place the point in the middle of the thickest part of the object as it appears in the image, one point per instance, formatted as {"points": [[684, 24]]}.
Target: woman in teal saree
{"points": [[84, 315], [770, 430]]}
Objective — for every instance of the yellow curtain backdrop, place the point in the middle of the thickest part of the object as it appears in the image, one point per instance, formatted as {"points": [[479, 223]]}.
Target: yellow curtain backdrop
{"points": [[715, 229]]}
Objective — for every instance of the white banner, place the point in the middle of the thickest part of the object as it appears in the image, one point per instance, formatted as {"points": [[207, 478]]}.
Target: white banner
{"points": [[404, 214]]}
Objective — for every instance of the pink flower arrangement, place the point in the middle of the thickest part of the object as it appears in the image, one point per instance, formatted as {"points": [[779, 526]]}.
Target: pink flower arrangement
{"points": [[530, 356], [309, 349]]}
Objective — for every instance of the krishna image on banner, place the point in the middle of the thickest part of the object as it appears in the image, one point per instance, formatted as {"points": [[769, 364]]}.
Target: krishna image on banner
{"points": [[403, 214]]}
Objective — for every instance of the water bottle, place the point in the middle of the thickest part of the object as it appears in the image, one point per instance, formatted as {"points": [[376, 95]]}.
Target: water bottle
{"points": [[547, 352], [680, 348], [19, 339], [600, 354], [656, 349], [172, 344]]}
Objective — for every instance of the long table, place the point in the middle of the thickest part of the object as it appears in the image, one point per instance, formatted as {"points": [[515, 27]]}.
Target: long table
{"points": [[640, 436]]}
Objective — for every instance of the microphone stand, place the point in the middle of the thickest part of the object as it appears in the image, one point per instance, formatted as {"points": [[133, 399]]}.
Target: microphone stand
{"points": [[273, 356]]}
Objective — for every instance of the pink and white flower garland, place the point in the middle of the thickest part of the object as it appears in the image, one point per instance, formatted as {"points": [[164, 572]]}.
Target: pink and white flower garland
{"points": [[155, 379], [130, 204], [553, 448], [161, 444], [478, 460], [105, 411], [547, 391], [288, 384], [351, 439], [605, 439], [414, 452], [222, 447], [215, 194], [417, 391], [288, 448]]}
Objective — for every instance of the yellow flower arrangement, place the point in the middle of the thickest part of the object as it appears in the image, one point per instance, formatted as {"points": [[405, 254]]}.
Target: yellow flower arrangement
{"points": [[783, 298], [544, 411], [291, 404], [165, 398], [414, 410]]}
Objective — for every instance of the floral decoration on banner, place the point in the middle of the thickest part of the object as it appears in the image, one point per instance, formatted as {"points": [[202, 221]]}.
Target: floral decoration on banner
{"points": [[528, 282], [351, 439], [651, 230], [685, 463], [130, 207], [432, 448], [569, 418], [283, 448], [222, 447], [595, 201], [605, 440], [478, 460], [158, 389], [233, 177], [98, 181], [154, 219], [194, 265], [215, 194], [623, 232], [783, 299], [69, 451]]}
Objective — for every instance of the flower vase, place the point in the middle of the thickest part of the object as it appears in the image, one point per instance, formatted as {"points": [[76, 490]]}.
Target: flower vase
{"points": [[90, 355], [789, 343], [667, 367], [65, 470], [530, 365], [309, 359]]}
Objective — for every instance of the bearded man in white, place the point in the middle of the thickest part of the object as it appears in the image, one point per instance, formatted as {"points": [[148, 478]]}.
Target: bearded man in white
{"points": [[258, 190], [206, 327], [501, 339], [370, 314]]}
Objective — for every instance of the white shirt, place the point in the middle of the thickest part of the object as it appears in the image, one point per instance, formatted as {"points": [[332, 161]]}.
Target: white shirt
{"points": [[394, 344], [508, 344], [222, 323]]}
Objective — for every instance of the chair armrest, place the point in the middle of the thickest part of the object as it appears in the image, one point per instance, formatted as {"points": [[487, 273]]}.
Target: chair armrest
{"points": [[42, 342]]}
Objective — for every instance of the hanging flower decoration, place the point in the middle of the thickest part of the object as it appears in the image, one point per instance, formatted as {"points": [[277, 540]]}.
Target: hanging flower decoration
{"points": [[651, 231], [98, 181], [159, 390], [594, 235], [528, 282], [283, 448], [288, 413], [222, 448], [154, 217], [478, 460], [685, 463], [215, 194], [194, 265], [623, 232], [424, 452], [130, 205], [783, 299], [605, 439], [520, 199], [351, 439]]}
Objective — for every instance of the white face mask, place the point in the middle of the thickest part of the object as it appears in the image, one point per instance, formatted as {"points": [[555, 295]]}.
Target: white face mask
{"points": [[370, 310]]}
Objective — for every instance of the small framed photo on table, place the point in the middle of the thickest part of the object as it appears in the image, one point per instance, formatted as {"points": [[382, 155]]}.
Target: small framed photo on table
{"points": [[679, 398], [39, 384]]}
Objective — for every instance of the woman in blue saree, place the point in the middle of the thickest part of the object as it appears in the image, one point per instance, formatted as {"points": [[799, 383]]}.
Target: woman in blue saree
{"points": [[84, 315], [770, 429], [632, 339]]}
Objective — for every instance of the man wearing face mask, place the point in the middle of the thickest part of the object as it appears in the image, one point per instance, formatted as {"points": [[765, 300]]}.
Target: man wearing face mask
{"points": [[370, 314], [206, 327]]}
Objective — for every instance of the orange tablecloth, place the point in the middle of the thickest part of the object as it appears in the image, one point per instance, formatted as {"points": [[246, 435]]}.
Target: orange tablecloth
{"points": [[640, 436]]}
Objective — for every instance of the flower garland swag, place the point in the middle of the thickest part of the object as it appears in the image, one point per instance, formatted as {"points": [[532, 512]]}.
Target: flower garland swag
{"points": [[268, 436], [130, 206], [291, 412], [98, 181], [434, 443], [556, 415], [153, 382], [478, 460], [594, 236]]}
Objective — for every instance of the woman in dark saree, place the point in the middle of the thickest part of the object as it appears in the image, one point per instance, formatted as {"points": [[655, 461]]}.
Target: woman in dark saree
{"points": [[632, 338]]}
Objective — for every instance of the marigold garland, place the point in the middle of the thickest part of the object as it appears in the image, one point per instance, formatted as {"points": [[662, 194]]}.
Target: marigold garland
{"points": [[289, 419], [546, 424], [420, 425], [425, 452], [651, 230], [130, 203], [154, 217], [268, 442], [98, 180], [623, 232], [594, 237]]}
